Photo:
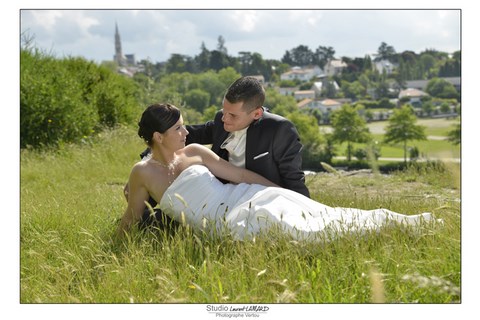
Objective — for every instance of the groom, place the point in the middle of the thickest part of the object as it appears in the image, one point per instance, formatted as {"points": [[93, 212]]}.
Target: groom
{"points": [[247, 135]]}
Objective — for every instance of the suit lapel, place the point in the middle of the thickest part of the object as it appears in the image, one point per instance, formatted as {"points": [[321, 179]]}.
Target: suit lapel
{"points": [[251, 143]]}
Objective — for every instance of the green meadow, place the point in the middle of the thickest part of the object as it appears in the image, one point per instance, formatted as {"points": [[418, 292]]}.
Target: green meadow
{"points": [[435, 147], [71, 200]]}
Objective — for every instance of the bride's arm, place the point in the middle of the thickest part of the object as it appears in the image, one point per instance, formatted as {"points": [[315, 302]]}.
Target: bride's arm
{"points": [[225, 170], [137, 196]]}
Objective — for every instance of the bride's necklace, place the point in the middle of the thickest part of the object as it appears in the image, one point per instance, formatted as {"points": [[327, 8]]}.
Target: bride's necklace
{"points": [[170, 166]]}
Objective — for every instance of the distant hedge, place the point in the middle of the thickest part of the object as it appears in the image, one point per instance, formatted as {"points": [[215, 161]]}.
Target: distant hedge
{"points": [[383, 103], [66, 100]]}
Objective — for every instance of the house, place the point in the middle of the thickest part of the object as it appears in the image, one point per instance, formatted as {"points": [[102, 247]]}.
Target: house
{"points": [[305, 103], [318, 86], [414, 95], [334, 67], [302, 74], [422, 84], [287, 91], [325, 106], [384, 66], [329, 105], [304, 94]]}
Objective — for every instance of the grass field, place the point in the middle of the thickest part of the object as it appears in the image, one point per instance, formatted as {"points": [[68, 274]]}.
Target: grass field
{"points": [[435, 147], [71, 201]]}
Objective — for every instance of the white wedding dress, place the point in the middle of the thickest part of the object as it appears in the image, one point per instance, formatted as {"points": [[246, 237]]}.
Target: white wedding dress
{"points": [[197, 198]]}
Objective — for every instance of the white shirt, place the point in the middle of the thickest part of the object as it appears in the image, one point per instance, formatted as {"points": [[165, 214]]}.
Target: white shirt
{"points": [[236, 147]]}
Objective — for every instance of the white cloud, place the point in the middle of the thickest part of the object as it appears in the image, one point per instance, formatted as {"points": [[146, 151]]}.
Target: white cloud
{"points": [[246, 20], [45, 18], [159, 33]]}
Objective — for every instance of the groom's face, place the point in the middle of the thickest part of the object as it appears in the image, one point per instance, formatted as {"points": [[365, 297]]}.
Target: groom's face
{"points": [[235, 118]]}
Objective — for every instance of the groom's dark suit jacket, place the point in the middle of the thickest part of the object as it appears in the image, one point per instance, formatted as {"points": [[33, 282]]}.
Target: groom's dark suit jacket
{"points": [[273, 148]]}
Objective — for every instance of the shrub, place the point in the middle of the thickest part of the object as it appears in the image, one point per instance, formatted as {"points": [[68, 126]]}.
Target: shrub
{"points": [[115, 99], [52, 106], [66, 100]]}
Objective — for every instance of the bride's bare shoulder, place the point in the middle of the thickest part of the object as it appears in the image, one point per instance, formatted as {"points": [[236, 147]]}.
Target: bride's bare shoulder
{"points": [[141, 168]]}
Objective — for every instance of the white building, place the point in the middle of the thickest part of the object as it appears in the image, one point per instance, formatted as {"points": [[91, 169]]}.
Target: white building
{"points": [[302, 74], [414, 95], [287, 91], [384, 65], [325, 106], [334, 67], [318, 86], [304, 94]]}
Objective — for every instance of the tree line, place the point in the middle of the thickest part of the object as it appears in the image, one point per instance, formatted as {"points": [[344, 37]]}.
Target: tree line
{"points": [[360, 80], [71, 99], [427, 64]]}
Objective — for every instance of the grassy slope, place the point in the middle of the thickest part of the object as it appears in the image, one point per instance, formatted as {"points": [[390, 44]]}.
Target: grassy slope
{"points": [[71, 200]]}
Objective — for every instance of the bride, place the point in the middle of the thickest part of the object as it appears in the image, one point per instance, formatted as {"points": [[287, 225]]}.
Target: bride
{"points": [[182, 179]]}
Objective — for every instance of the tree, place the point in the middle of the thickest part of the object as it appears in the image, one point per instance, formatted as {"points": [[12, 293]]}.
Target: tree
{"points": [[287, 58], [302, 55], [455, 135], [278, 103], [245, 58], [382, 87], [209, 114], [349, 127], [218, 60], [221, 45], [317, 114], [177, 63], [385, 52], [402, 128], [367, 63], [353, 90], [197, 99], [445, 108], [227, 76], [315, 149], [328, 88], [203, 59], [428, 108], [440, 88], [307, 127], [323, 55], [427, 64], [260, 66], [210, 82]]}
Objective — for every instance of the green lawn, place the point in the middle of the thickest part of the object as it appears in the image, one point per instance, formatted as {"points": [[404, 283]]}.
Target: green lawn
{"points": [[433, 148], [71, 201]]}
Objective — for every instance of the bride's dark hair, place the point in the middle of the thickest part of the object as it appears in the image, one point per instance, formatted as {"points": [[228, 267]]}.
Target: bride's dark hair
{"points": [[158, 117]]}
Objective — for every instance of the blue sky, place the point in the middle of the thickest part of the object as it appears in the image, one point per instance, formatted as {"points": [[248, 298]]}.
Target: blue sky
{"points": [[156, 34]]}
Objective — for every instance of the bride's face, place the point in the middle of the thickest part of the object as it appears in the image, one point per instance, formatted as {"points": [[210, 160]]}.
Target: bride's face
{"points": [[176, 135]]}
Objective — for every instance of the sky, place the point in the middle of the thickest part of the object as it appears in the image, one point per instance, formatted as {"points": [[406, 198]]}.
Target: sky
{"points": [[156, 34]]}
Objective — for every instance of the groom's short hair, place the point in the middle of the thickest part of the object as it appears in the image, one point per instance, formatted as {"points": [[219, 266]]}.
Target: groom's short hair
{"points": [[247, 90]]}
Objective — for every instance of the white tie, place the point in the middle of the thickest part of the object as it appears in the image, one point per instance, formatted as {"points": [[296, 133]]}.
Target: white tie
{"points": [[235, 145], [229, 139]]}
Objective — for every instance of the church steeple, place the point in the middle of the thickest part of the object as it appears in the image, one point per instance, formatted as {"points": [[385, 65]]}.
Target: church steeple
{"points": [[119, 58]]}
